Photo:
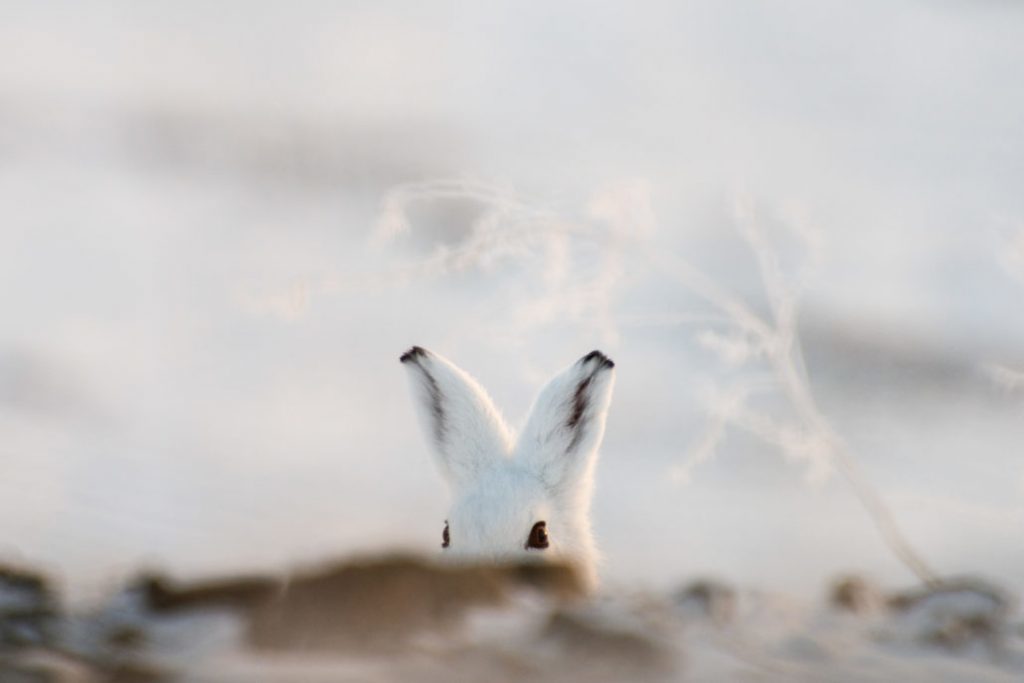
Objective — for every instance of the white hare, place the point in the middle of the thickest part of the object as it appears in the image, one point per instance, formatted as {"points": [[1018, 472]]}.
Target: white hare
{"points": [[516, 499]]}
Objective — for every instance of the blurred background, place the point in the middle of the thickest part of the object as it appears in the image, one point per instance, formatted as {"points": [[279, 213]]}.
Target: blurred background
{"points": [[221, 223]]}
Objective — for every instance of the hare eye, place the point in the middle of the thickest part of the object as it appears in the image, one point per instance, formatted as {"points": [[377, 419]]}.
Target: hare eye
{"points": [[445, 538], [538, 536]]}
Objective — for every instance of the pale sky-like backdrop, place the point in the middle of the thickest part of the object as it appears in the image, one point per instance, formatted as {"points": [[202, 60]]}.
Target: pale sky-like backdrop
{"points": [[221, 223]]}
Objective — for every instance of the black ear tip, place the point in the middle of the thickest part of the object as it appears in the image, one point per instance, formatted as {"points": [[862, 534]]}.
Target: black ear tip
{"points": [[602, 360], [413, 354]]}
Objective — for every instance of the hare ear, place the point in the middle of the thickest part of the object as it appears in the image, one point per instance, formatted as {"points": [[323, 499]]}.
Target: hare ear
{"points": [[464, 428], [566, 423]]}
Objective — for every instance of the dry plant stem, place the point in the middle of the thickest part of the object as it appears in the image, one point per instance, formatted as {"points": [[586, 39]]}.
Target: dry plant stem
{"points": [[706, 288], [786, 359], [797, 388]]}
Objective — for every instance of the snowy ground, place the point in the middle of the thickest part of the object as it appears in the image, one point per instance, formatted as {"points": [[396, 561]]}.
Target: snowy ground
{"points": [[400, 618], [205, 298]]}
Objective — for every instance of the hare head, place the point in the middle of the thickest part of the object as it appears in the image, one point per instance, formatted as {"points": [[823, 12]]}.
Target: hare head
{"points": [[524, 498]]}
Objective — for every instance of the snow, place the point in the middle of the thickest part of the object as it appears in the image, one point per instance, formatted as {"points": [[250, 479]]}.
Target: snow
{"points": [[320, 630]]}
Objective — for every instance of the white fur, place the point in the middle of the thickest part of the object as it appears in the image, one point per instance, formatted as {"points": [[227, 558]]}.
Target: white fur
{"points": [[502, 486]]}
